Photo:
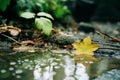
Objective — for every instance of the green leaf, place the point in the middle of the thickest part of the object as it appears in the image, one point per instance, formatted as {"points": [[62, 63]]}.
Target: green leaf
{"points": [[4, 4], [27, 15], [45, 14], [44, 24]]}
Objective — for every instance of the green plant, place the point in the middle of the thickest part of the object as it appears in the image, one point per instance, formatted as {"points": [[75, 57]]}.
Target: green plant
{"points": [[4, 4], [56, 7], [43, 23]]}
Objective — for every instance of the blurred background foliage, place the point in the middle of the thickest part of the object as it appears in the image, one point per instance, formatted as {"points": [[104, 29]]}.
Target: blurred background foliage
{"points": [[11, 9], [81, 10], [4, 4], [55, 7]]}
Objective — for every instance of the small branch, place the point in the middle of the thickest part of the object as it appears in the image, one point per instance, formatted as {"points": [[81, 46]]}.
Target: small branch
{"points": [[11, 38], [111, 48], [96, 42], [113, 38]]}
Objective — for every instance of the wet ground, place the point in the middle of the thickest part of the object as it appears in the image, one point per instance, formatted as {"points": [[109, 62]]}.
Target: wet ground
{"points": [[52, 66], [61, 64]]}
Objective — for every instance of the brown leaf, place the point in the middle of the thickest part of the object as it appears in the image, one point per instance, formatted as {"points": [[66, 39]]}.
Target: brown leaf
{"points": [[25, 48], [3, 29], [27, 42], [14, 31]]}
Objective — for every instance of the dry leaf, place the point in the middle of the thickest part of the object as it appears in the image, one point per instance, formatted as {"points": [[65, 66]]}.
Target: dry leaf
{"points": [[24, 48], [85, 47], [3, 29], [14, 31], [27, 42]]}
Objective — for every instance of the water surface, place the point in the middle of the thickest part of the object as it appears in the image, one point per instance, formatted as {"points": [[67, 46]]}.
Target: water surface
{"points": [[51, 66]]}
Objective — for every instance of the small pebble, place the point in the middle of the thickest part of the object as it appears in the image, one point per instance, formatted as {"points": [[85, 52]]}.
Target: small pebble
{"points": [[11, 68], [18, 71], [18, 76], [86, 61], [91, 62], [12, 63], [3, 71], [57, 67], [26, 60]]}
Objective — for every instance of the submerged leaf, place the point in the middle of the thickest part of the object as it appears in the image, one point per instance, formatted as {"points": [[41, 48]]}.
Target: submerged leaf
{"points": [[85, 47]]}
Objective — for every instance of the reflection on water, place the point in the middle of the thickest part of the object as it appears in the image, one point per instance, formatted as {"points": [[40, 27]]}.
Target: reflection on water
{"points": [[110, 75], [104, 65], [51, 66], [72, 71], [46, 75]]}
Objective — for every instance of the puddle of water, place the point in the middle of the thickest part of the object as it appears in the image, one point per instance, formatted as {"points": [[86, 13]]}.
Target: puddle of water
{"points": [[49, 66]]}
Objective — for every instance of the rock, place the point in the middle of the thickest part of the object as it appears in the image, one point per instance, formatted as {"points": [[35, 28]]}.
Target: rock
{"points": [[110, 75], [85, 27]]}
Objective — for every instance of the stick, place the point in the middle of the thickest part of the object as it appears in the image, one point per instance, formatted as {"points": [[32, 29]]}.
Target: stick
{"points": [[113, 38], [11, 38], [96, 42], [111, 48]]}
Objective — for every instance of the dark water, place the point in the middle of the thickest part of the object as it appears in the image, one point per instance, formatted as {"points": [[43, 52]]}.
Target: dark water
{"points": [[50, 66]]}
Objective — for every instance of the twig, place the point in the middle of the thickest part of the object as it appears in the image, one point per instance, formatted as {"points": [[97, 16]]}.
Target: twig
{"points": [[113, 38], [97, 42], [11, 38], [111, 48]]}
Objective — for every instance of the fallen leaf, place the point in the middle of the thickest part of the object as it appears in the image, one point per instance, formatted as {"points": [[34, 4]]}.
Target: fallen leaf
{"points": [[3, 29], [27, 42], [14, 31], [69, 47], [85, 47], [24, 48]]}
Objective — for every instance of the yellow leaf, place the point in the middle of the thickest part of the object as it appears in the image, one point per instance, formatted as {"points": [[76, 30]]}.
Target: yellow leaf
{"points": [[85, 47]]}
